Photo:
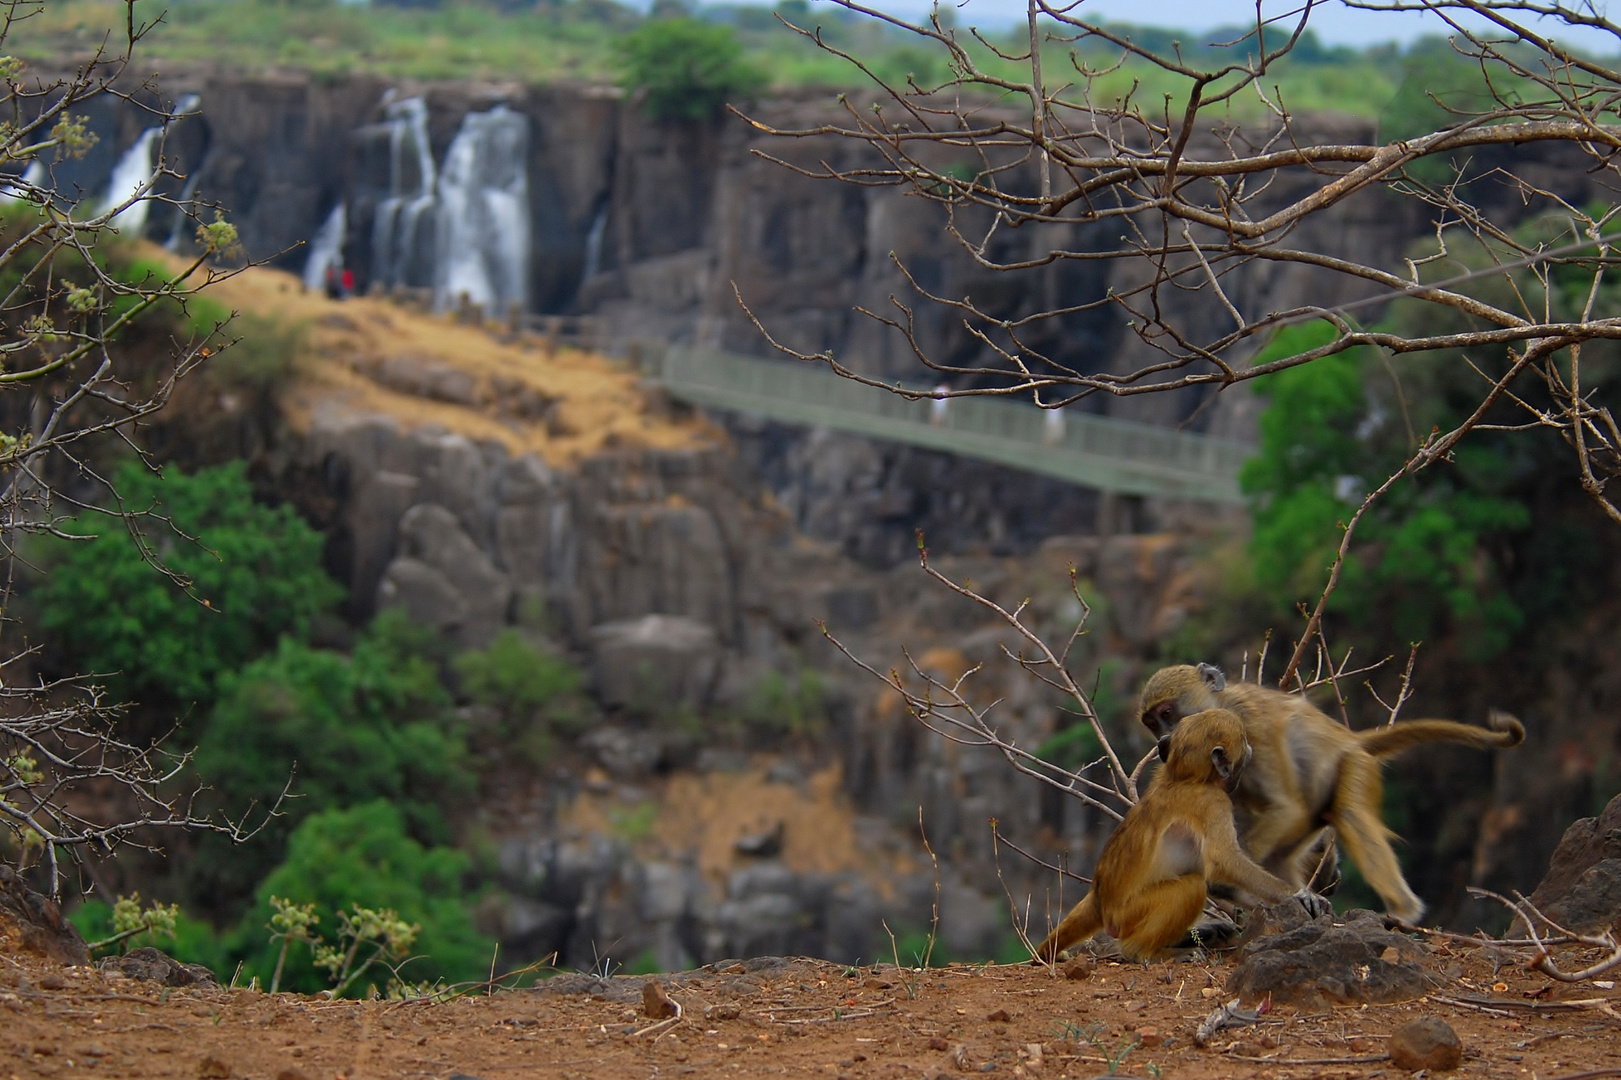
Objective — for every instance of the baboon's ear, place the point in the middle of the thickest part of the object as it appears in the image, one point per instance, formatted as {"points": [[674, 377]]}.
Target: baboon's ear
{"points": [[1164, 747], [1219, 762], [1213, 677]]}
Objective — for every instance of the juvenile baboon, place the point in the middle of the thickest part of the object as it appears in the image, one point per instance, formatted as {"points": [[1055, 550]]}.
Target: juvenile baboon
{"points": [[1151, 879], [1309, 771]]}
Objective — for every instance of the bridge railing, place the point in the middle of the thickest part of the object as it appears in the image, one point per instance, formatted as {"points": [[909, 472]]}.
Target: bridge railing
{"points": [[1095, 451]]}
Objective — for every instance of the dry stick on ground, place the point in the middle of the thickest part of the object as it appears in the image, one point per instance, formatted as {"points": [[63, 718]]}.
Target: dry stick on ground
{"points": [[1543, 961]]}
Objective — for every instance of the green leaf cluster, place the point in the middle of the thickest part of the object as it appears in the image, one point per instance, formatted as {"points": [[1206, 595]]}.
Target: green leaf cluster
{"points": [[536, 695], [253, 574], [688, 69], [364, 855], [1449, 552], [349, 729]]}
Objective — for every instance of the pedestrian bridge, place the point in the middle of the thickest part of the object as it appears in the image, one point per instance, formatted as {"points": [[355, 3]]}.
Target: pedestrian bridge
{"points": [[1093, 451]]}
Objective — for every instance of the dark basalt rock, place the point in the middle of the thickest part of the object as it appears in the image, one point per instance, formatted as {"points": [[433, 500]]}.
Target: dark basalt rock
{"points": [[1328, 961], [1582, 889], [158, 966]]}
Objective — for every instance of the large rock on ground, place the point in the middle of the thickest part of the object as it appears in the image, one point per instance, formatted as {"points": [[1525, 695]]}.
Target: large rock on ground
{"points": [[33, 922], [1346, 961], [1582, 889]]}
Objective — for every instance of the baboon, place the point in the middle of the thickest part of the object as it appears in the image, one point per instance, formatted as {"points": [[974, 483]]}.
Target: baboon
{"points": [[1151, 879], [1309, 771]]}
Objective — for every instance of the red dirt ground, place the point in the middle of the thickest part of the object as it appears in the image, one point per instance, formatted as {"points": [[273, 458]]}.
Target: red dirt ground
{"points": [[793, 1018]]}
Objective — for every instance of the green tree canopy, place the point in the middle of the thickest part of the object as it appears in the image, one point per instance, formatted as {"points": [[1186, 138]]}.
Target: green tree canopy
{"points": [[362, 855], [688, 68], [254, 573], [347, 729]]}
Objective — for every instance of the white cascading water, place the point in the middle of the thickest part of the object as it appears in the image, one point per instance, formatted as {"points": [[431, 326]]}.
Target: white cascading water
{"points": [[483, 214], [132, 173], [593, 245], [326, 249], [411, 183], [33, 177]]}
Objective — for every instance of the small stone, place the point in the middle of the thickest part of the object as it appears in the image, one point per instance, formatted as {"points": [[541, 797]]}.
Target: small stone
{"points": [[94, 1050], [1427, 1043], [1149, 1037], [292, 1074], [53, 982], [1134, 1006], [999, 1016], [858, 1056], [1079, 968], [1033, 1054], [725, 1010], [874, 983], [212, 1068], [937, 1043], [656, 1004]]}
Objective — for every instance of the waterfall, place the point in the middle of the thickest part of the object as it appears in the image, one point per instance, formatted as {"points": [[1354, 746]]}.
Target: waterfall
{"points": [[326, 249], [593, 244], [177, 232], [16, 191], [483, 214], [133, 172], [411, 176]]}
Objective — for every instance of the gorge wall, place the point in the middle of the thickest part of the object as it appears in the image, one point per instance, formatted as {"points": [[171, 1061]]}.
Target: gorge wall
{"points": [[734, 552]]}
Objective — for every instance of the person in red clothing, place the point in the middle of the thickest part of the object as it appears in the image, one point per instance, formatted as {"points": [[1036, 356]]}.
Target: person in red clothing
{"points": [[348, 287]]}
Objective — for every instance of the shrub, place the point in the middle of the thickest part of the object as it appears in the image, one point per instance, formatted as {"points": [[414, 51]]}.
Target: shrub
{"points": [[1424, 561], [348, 729], [688, 69], [251, 574], [361, 855], [529, 687]]}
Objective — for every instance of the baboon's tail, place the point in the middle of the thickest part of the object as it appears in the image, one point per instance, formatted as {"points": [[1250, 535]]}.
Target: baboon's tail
{"points": [[1502, 730]]}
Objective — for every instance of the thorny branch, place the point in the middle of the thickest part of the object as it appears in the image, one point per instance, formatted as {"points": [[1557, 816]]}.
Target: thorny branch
{"points": [[64, 759], [943, 705], [1183, 203]]}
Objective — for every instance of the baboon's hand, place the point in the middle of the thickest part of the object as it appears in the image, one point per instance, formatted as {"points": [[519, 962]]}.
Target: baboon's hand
{"points": [[1316, 906]]}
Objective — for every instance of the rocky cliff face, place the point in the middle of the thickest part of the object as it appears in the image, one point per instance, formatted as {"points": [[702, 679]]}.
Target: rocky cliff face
{"points": [[688, 589], [731, 553], [648, 224]]}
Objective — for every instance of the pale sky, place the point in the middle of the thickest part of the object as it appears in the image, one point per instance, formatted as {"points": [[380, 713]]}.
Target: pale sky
{"points": [[1335, 24]]}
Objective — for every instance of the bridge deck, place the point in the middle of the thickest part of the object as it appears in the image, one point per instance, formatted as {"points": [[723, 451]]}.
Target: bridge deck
{"points": [[1094, 451]]}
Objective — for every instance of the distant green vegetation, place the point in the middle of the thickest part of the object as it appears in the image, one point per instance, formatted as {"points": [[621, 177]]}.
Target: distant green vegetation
{"points": [[253, 574], [1449, 554], [582, 40], [365, 738], [689, 69]]}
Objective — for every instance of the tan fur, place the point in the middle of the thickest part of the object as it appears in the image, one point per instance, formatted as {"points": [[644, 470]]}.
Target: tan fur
{"points": [[1308, 770], [1150, 881]]}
